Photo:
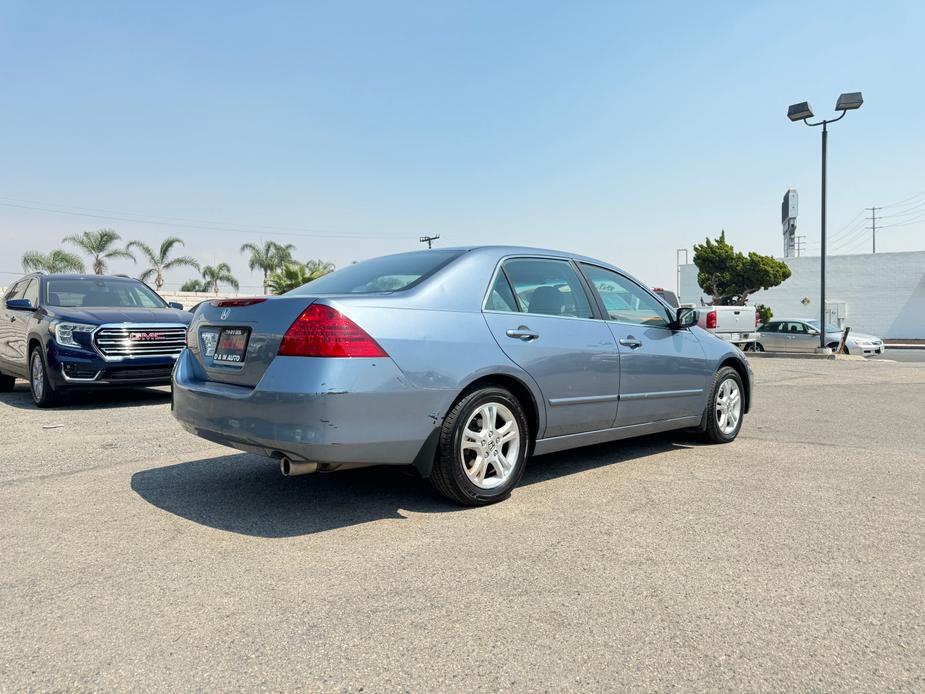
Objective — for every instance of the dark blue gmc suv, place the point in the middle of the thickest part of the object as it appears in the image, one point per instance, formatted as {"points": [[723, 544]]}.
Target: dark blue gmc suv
{"points": [[62, 332]]}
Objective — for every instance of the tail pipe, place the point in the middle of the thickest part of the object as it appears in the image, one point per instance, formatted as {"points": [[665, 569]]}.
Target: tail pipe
{"points": [[291, 468]]}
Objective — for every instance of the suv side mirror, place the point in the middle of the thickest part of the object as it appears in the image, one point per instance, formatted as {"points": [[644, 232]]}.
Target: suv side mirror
{"points": [[686, 317], [19, 305], [174, 304]]}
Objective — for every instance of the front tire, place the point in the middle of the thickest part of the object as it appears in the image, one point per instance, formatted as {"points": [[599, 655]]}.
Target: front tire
{"points": [[725, 409], [43, 395], [483, 448], [757, 347]]}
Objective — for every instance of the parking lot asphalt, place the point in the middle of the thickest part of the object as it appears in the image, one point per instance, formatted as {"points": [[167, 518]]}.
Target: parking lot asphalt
{"points": [[135, 556]]}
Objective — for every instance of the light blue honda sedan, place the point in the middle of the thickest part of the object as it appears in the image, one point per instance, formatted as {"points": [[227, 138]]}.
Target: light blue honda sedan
{"points": [[462, 363]]}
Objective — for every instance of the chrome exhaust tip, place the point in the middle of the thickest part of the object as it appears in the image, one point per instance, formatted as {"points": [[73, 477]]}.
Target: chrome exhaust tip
{"points": [[291, 468]]}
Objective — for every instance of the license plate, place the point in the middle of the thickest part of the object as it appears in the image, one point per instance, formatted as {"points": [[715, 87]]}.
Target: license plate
{"points": [[232, 346]]}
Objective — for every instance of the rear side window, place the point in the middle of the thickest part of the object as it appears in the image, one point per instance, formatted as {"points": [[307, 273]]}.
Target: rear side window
{"points": [[548, 287], [625, 300], [501, 297], [389, 273]]}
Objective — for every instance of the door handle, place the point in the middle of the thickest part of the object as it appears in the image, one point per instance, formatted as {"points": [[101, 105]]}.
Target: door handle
{"points": [[522, 333], [631, 342]]}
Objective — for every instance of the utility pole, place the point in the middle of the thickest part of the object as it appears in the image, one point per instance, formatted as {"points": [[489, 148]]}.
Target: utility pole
{"points": [[873, 225], [429, 240]]}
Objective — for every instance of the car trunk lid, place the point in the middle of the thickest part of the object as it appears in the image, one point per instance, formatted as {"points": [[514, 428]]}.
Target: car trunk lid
{"points": [[259, 324]]}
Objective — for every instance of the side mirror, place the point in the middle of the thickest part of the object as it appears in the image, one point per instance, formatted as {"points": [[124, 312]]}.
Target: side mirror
{"points": [[686, 317], [813, 331], [19, 305], [174, 304]]}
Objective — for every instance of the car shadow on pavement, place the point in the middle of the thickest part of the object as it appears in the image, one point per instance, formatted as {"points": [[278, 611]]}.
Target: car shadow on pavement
{"points": [[89, 399], [246, 494]]}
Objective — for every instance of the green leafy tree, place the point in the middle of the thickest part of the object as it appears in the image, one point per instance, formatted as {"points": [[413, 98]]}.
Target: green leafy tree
{"points": [[764, 313], [194, 285], [729, 277], [220, 273], [269, 258], [99, 245], [160, 262], [56, 261]]}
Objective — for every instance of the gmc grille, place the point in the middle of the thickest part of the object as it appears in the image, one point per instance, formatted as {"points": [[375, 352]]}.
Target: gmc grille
{"points": [[141, 341]]}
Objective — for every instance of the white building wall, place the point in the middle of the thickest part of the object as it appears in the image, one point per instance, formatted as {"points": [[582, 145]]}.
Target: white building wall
{"points": [[884, 294]]}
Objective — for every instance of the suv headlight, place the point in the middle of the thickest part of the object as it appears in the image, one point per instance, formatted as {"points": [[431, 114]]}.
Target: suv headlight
{"points": [[64, 332]]}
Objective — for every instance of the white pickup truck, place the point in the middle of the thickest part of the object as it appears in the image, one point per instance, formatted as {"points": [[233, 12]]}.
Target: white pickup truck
{"points": [[735, 324]]}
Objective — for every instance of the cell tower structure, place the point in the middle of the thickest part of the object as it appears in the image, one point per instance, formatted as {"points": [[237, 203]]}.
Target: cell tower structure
{"points": [[788, 219]]}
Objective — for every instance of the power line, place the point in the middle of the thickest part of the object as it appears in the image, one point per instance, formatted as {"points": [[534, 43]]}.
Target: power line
{"points": [[207, 226], [902, 202]]}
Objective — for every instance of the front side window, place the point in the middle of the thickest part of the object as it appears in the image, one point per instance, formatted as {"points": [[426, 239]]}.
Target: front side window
{"points": [[797, 328], [101, 293], [16, 291], [546, 286], [32, 293], [624, 300]]}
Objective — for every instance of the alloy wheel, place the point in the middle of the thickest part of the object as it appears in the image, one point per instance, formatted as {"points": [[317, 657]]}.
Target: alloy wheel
{"points": [[728, 409], [38, 376], [490, 445]]}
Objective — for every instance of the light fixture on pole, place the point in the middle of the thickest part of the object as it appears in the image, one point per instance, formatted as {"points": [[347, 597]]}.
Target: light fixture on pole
{"points": [[849, 101]]}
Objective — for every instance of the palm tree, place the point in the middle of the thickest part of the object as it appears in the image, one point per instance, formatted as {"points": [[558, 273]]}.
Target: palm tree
{"points": [[99, 245], [319, 268], [219, 273], [270, 257], [289, 277], [56, 261], [159, 263]]}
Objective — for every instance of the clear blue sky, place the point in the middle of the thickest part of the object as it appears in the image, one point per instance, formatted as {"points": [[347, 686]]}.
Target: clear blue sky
{"points": [[617, 130]]}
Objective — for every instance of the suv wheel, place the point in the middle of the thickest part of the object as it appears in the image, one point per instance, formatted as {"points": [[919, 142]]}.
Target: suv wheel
{"points": [[42, 392], [725, 408], [483, 448]]}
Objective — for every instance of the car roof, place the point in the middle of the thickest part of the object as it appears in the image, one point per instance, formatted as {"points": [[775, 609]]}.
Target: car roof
{"points": [[71, 276]]}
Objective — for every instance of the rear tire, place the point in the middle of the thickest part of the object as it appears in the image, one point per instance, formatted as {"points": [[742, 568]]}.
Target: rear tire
{"points": [[482, 451], [43, 395], [726, 407], [6, 383]]}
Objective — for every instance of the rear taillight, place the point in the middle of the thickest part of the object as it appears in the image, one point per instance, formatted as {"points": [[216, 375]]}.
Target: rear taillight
{"points": [[321, 331], [231, 303], [711, 320]]}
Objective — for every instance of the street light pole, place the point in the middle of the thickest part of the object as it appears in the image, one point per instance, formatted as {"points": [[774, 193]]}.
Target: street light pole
{"points": [[825, 143], [848, 101]]}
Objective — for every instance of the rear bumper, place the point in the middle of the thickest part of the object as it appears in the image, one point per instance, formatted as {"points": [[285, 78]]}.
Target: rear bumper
{"points": [[332, 411]]}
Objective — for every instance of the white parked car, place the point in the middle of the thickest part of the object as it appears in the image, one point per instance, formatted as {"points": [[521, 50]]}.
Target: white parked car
{"points": [[801, 335]]}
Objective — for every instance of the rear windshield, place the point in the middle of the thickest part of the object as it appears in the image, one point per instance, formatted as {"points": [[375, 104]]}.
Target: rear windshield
{"points": [[106, 293], [387, 274]]}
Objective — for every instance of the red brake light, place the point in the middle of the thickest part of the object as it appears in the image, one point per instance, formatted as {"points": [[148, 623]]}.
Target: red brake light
{"points": [[711, 320], [321, 331], [757, 319], [230, 303]]}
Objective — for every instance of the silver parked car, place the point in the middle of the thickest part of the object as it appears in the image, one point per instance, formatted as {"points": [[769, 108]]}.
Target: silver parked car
{"points": [[459, 362], [803, 336]]}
